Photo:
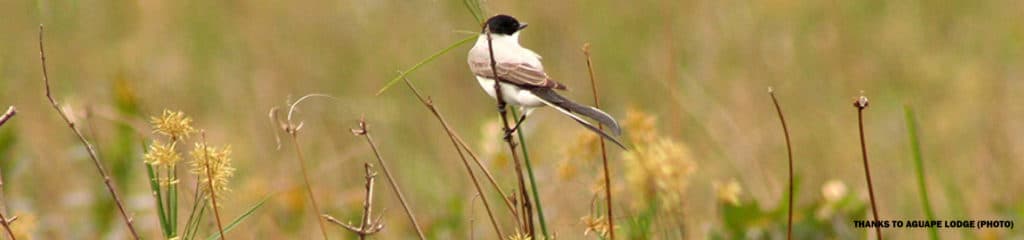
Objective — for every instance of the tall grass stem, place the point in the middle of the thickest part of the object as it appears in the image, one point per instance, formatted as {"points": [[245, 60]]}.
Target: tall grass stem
{"points": [[604, 150], [861, 104]]}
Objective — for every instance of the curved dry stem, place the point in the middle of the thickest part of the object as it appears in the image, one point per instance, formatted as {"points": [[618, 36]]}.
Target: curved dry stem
{"points": [[88, 146], [789, 151], [861, 104]]}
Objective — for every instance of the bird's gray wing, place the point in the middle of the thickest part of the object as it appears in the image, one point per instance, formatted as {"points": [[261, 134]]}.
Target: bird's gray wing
{"points": [[518, 73]]}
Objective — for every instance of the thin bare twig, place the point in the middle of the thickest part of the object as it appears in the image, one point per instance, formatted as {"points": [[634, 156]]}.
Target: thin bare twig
{"points": [[363, 131], [366, 226], [3, 202], [209, 180], [604, 151], [789, 150], [88, 147], [469, 169], [861, 103], [525, 196]]}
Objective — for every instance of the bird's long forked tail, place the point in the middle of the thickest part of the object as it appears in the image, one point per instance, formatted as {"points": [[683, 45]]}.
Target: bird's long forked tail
{"points": [[570, 108]]}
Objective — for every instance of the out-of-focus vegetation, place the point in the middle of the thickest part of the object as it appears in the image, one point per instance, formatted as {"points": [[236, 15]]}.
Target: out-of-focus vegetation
{"points": [[687, 78]]}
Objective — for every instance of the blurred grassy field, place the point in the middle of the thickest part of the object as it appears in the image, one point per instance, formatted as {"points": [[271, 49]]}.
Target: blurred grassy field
{"points": [[699, 71]]}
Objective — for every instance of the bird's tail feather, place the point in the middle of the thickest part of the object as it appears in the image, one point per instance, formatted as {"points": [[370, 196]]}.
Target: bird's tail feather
{"points": [[567, 107]]}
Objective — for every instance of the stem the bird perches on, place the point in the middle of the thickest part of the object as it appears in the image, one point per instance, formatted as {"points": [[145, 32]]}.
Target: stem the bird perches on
{"points": [[604, 150], [789, 152], [88, 146], [4, 221], [363, 131], [527, 212], [459, 145], [861, 103]]}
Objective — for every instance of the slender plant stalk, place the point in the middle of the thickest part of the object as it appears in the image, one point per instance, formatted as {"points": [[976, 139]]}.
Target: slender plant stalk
{"points": [[293, 130], [89, 148], [455, 141], [604, 150], [861, 104], [3, 202], [305, 176], [527, 208], [533, 180], [789, 152], [387, 173], [915, 148], [213, 191]]}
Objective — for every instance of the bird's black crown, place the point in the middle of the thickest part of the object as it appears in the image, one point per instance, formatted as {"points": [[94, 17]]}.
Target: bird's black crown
{"points": [[503, 24]]}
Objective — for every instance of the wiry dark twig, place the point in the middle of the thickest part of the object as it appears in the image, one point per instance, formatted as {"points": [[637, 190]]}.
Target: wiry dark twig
{"points": [[789, 151], [3, 202], [861, 103], [469, 169], [88, 147], [527, 207], [366, 226], [604, 151], [362, 131]]}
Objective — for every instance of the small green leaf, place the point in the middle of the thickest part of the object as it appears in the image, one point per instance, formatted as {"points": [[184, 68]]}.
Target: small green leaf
{"points": [[241, 218]]}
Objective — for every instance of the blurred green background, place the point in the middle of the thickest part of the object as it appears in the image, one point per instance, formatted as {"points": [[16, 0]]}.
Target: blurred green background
{"points": [[692, 74]]}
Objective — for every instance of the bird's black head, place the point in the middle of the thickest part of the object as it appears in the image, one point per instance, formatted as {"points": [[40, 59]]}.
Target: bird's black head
{"points": [[504, 24]]}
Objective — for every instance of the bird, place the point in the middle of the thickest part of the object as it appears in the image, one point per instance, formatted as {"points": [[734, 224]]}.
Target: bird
{"points": [[523, 81]]}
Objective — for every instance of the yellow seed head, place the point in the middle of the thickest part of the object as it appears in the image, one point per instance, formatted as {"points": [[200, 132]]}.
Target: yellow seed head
{"points": [[728, 192], [174, 125], [519, 236], [212, 164], [597, 225], [161, 154]]}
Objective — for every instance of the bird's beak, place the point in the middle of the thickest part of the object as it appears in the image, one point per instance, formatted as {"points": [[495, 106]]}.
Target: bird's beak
{"points": [[523, 26]]}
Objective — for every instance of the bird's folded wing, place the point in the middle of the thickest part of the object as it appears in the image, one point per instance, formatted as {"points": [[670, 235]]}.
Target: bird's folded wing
{"points": [[518, 73]]}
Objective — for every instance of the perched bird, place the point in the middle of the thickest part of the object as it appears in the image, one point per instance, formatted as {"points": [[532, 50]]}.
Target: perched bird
{"points": [[523, 80]]}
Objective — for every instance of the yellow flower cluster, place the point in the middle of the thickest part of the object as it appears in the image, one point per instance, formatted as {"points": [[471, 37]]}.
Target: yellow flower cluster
{"points": [[174, 125], [658, 166], [161, 154], [213, 166], [728, 192], [596, 225]]}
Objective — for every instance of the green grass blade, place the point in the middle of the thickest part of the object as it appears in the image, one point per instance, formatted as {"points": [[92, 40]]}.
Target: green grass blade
{"points": [[241, 218], [173, 205], [533, 181], [154, 185], [915, 149], [474, 8], [424, 62]]}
